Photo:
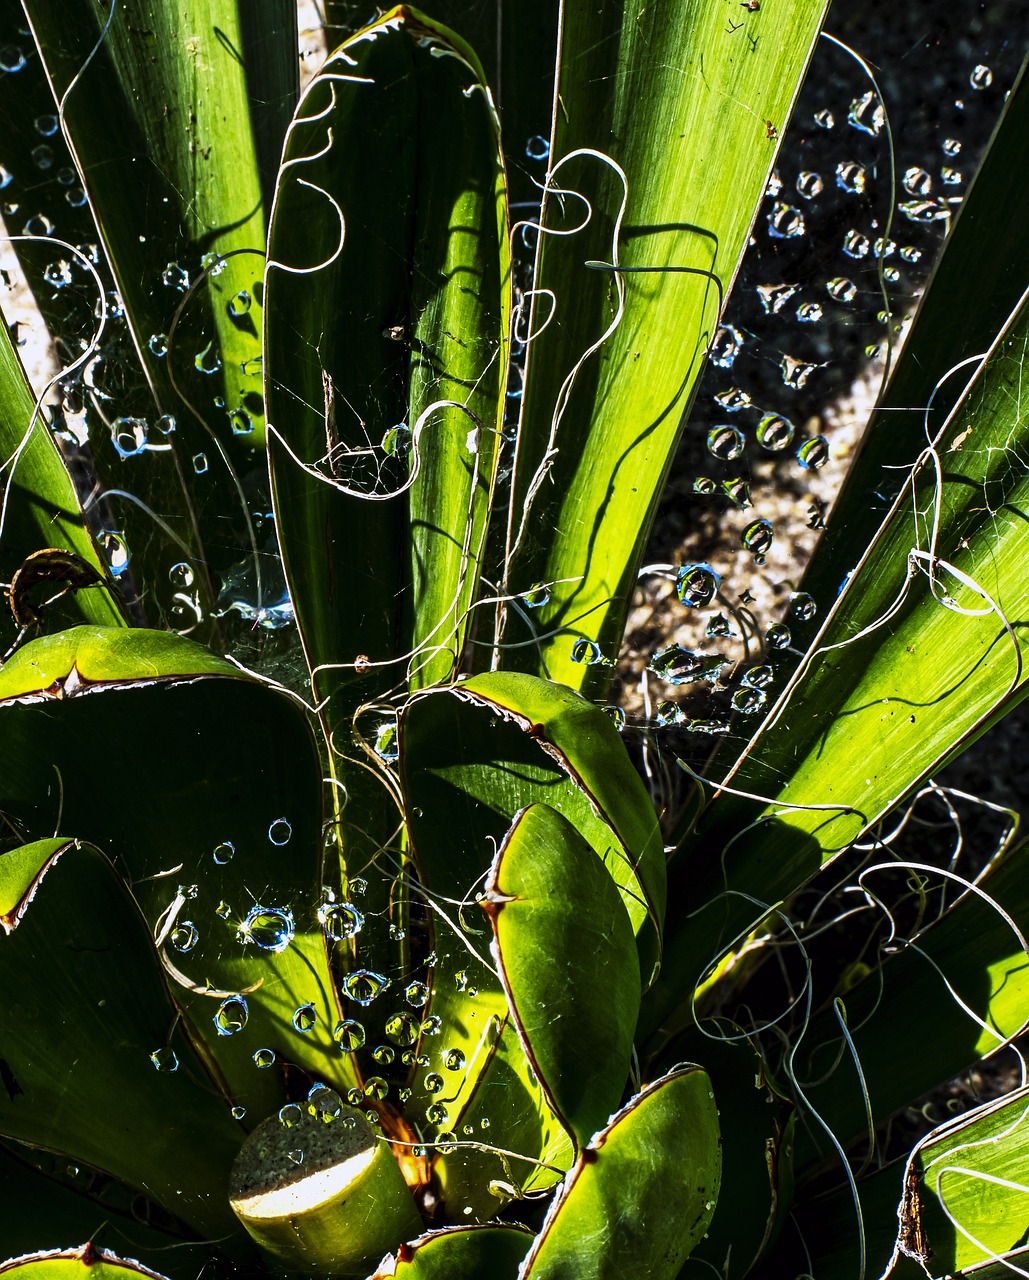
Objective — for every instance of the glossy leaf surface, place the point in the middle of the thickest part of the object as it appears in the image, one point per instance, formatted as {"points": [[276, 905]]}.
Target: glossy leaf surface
{"points": [[493, 1252]]}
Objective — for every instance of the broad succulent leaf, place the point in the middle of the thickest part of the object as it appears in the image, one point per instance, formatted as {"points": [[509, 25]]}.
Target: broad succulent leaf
{"points": [[492, 1251]]}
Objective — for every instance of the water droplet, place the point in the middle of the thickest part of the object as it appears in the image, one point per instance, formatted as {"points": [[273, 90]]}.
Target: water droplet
{"points": [[340, 920], [387, 742], [795, 373], [349, 1035], [774, 432], [951, 147], [239, 303], [734, 399], [825, 119], [759, 677], [696, 585], [11, 58], [757, 537], [536, 597], [586, 652], [778, 636], [264, 1058], [224, 851], [5, 180], [238, 1112], [809, 184], [537, 148], [253, 367], [207, 361], [951, 177], [43, 157], [705, 485], [432, 1026], [433, 1082], [75, 196], [270, 928], [402, 1028], [397, 441], [213, 263], [223, 910], [46, 125], [713, 728], [774, 184], [785, 222], [416, 994], [384, 1054], [617, 717], [981, 77], [241, 422], [324, 1103], [158, 344], [184, 936], [358, 886], [677, 665], [747, 701], [363, 985], [296, 1155], [165, 1059], [726, 442], [866, 114], [375, 1088], [231, 1016], [174, 277], [916, 181], [437, 1113], [803, 606], [851, 177], [737, 490], [58, 274], [280, 831], [454, 1060], [773, 297], [116, 552], [922, 211], [719, 628], [397, 933], [181, 575], [290, 1115], [883, 248], [813, 454], [809, 312], [841, 289], [129, 436], [200, 463], [187, 891], [166, 424], [855, 245], [725, 346]]}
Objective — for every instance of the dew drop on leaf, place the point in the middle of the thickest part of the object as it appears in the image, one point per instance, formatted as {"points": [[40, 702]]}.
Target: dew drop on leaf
{"points": [[290, 1115], [231, 1016], [305, 1018]]}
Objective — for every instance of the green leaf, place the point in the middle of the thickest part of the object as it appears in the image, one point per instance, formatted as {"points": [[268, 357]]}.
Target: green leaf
{"points": [[568, 962], [171, 132], [226, 797], [389, 216], [470, 1252], [649, 88], [916, 660], [85, 1263], [81, 978], [641, 1194]]}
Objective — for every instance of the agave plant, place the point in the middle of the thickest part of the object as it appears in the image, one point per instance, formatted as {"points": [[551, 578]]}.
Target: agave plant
{"points": [[344, 944]]}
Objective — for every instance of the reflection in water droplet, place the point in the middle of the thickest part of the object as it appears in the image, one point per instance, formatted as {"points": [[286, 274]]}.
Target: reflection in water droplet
{"points": [[617, 717], [253, 367], [916, 181], [241, 422], [759, 677], [922, 211], [785, 222], [231, 1016], [747, 701], [384, 1054], [981, 77], [803, 606], [129, 436], [454, 1060], [239, 304], [397, 441], [677, 665], [883, 248], [238, 1112], [726, 442], [795, 373], [855, 245], [174, 277], [586, 652], [223, 852], [43, 157], [778, 636], [375, 1088], [280, 831], [719, 628], [290, 1115], [207, 361], [305, 1019], [402, 1028], [951, 147], [184, 936], [773, 297], [851, 177], [809, 184], [432, 1026], [340, 920], [813, 454], [734, 399], [824, 119], [58, 274], [713, 728], [725, 346], [774, 432], [809, 312], [696, 585], [349, 1035], [158, 344], [437, 1113], [165, 1059], [866, 114], [223, 910], [416, 994], [363, 985], [951, 177], [115, 549], [324, 1103], [213, 263], [737, 490], [264, 1058], [757, 537], [840, 289], [433, 1082], [536, 597], [705, 485], [387, 742], [774, 184], [270, 928]]}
